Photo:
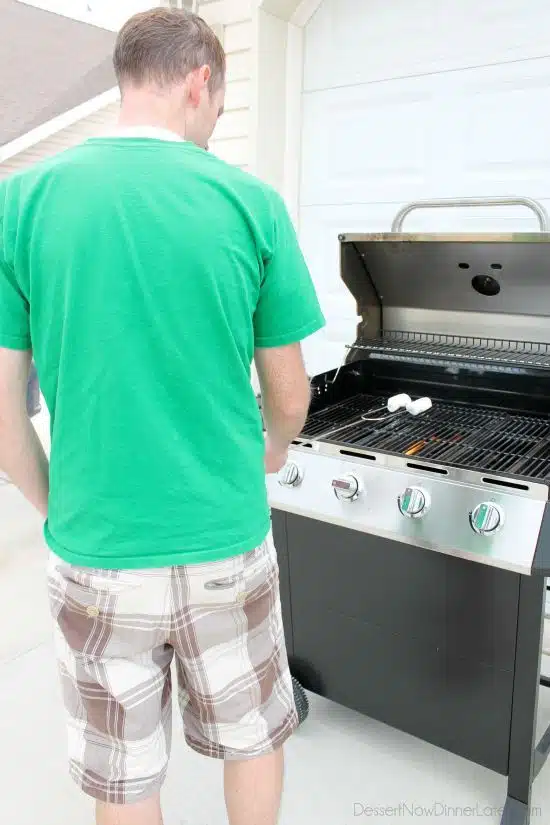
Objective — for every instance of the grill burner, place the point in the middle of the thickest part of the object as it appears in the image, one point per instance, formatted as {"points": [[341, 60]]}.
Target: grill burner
{"points": [[476, 439]]}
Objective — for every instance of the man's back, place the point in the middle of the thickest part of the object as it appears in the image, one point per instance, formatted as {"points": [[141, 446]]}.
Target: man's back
{"points": [[155, 270]]}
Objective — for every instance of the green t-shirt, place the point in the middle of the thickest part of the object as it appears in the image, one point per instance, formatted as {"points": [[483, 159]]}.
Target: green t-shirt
{"points": [[143, 273]]}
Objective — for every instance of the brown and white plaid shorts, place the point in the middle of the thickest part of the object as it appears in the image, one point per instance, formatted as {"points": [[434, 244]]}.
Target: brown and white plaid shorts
{"points": [[117, 633]]}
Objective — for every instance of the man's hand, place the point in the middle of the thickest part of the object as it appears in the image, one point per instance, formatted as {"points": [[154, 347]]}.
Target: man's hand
{"points": [[275, 459]]}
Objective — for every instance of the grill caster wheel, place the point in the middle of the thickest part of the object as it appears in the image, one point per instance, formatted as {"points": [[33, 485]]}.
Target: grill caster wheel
{"points": [[300, 700]]}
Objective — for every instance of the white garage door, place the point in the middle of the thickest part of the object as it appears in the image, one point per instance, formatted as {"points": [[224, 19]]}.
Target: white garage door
{"points": [[413, 99]]}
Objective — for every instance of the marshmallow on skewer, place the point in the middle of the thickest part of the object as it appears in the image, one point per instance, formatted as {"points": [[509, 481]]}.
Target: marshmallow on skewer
{"points": [[419, 406], [397, 402]]}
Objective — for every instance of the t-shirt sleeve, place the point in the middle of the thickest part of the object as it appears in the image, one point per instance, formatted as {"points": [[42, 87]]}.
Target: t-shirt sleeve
{"points": [[288, 309], [14, 311]]}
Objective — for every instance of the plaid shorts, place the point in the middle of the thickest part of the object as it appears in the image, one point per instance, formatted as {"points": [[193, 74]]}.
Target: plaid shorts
{"points": [[117, 633]]}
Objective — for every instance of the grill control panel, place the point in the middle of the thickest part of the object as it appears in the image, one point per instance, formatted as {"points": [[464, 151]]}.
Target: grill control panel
{"points": [[463, 518]]}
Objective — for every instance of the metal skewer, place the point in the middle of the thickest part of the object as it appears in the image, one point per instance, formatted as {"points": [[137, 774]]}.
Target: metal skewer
{"points": [[395, 404]]}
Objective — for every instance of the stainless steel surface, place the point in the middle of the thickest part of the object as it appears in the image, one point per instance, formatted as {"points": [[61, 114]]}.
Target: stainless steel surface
{"points": [[447, 237], [445, 528], [469, 324], [418, 469], [453, 203], [509, 278]]}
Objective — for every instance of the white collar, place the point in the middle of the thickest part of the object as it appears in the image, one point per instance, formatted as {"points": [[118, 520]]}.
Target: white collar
{"points": [[145, 132]]}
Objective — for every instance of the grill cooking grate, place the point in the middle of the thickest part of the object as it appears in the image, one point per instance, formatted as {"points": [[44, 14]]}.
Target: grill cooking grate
{"points": [[456, 348], [338, 415], [454, 434]]}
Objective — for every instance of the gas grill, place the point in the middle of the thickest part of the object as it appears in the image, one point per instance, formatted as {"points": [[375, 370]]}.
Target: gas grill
{"points": [[414, 547]]}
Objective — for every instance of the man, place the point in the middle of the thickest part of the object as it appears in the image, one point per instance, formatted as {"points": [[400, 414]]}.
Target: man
{"points": [[145, 274]]}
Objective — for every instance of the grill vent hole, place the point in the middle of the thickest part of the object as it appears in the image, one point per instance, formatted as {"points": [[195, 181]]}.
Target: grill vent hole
{"points": [[464, 266], [496, 266], [439, 470], [486, 285], [501, 483]]}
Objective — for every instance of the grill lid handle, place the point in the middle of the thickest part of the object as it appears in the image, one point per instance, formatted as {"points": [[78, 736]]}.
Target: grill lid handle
{"points": [[444, 203]]}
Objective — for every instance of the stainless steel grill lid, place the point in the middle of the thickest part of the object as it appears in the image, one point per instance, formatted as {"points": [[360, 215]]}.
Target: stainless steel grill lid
{"points": [[482, 285]]}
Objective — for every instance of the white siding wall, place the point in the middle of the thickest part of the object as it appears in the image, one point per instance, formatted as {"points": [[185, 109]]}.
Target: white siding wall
{"points": [[231, 140]]}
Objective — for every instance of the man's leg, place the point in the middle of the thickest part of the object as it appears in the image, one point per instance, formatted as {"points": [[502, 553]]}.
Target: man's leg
{"points": [[253, 790], [111, 630], [235, 686], [143, 813]]}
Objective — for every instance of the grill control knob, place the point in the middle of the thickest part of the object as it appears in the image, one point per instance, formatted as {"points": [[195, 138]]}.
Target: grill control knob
{"points": [[487, 518], [291, 475], [346, 488], [414, 502]]}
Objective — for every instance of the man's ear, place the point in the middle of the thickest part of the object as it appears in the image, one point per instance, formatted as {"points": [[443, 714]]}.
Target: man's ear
{"points": [[198, 81]]}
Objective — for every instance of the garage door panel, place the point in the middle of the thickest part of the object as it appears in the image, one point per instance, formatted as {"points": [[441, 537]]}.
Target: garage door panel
{"points": [[498, 133], [319, 230], [473, 133], [369, 139], [373, 40]]}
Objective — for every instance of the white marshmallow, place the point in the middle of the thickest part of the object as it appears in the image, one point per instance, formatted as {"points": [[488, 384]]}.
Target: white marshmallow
{"points": [[397, 402], [419, 406]]}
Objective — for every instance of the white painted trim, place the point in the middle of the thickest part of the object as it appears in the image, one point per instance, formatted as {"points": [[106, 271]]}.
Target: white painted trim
{"points": [[304, 12], [51, 127], [293, 135], [296, 14]]}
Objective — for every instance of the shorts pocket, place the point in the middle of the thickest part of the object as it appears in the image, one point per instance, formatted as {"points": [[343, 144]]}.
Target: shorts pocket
{"points": [[93, 580], [236, 580]]}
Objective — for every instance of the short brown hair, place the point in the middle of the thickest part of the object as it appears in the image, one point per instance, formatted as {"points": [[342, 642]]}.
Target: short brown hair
{"points": [[164, 45]]}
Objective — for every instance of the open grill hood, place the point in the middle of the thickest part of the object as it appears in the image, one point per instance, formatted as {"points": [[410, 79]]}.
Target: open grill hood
{"points": [[485, 286]]}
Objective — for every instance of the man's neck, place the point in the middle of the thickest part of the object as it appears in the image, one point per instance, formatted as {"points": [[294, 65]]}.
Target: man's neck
{"points": [[150, 110], [147, 132]]}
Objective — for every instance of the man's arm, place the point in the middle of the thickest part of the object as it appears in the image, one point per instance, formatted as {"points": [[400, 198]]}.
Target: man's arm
{"points": [[287, 312], [22, 456], [285, 399]]}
